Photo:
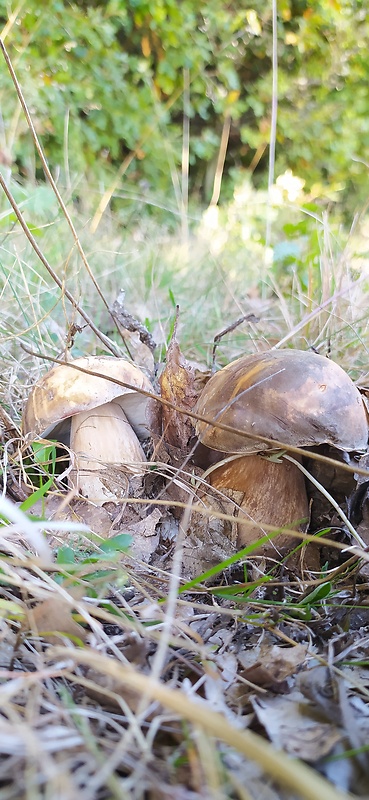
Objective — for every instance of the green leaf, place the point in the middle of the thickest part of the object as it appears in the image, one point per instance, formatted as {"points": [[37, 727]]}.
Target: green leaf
{"points": [[120, 543], [319, 593], [38, 494], [65, 555]]}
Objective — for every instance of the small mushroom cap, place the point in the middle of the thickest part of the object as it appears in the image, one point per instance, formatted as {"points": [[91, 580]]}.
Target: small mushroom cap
{"points": [[64, 391], [292, 396]]}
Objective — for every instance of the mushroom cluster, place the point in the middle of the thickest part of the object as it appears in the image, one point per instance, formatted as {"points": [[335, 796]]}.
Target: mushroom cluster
{"points": [[290, 397], [84, 405], [99, 407]]}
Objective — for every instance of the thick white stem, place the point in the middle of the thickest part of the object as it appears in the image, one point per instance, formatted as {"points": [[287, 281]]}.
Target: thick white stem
{"points": [[103, 438]]}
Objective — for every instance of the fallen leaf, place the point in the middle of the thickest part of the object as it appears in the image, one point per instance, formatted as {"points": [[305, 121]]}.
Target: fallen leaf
{"points": [[209, 540], [145, 534], [100, 519], [178, 387], [52, 618], [106, 691], [288, 724], [269, 666]]}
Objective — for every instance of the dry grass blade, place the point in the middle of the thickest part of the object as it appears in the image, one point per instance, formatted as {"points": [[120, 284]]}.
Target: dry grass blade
{"points": [[287, 772]]}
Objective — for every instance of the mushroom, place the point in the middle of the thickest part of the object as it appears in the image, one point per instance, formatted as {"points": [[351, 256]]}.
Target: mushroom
{"points": [[295, 397], [100, 420]]}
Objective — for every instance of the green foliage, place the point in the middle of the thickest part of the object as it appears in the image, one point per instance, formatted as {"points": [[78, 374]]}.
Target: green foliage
{"points": [[104, 80]]}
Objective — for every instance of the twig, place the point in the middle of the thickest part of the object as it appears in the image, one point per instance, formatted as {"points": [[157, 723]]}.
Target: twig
{"points": [[246, 318], [123, 318]]}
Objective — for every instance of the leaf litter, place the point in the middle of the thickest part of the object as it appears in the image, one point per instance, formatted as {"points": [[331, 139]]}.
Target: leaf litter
{"points": [[279, 648]]}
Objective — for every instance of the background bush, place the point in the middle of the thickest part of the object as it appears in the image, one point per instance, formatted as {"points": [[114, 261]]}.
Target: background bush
{"points": [[105, 81]]}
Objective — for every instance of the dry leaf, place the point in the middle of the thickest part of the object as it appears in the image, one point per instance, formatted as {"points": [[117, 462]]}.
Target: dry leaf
{"points": [[177, 386], [209, 540], [289, 726], [144, 532], [270, 666], [108, 692], [52, 619], [100, 519]]}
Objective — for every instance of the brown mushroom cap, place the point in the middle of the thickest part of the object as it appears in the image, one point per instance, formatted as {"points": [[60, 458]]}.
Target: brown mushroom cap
{"points": [[292, 396], [64, 391]]}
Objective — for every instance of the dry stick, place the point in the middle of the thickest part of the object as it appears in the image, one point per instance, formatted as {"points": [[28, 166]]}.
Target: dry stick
{"points": [[104, 339], [275, 444], [48, 172], [229, 329], [283, 769]]}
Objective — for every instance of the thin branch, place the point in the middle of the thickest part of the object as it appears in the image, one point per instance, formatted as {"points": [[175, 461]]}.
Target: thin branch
{"points": [[245, 318]]}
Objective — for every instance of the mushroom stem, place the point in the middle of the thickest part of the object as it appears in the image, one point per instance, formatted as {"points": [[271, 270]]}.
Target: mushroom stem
{"points": [[273, 494], [99, 438]]}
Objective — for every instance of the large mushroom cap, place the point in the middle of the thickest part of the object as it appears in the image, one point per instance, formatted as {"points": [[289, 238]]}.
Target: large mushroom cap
{"points": [[65, 391], [292, 396]]}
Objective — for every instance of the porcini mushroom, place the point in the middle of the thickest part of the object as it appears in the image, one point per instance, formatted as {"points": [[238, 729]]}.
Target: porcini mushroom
{"points": [[295, 397], [101, 421]]}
